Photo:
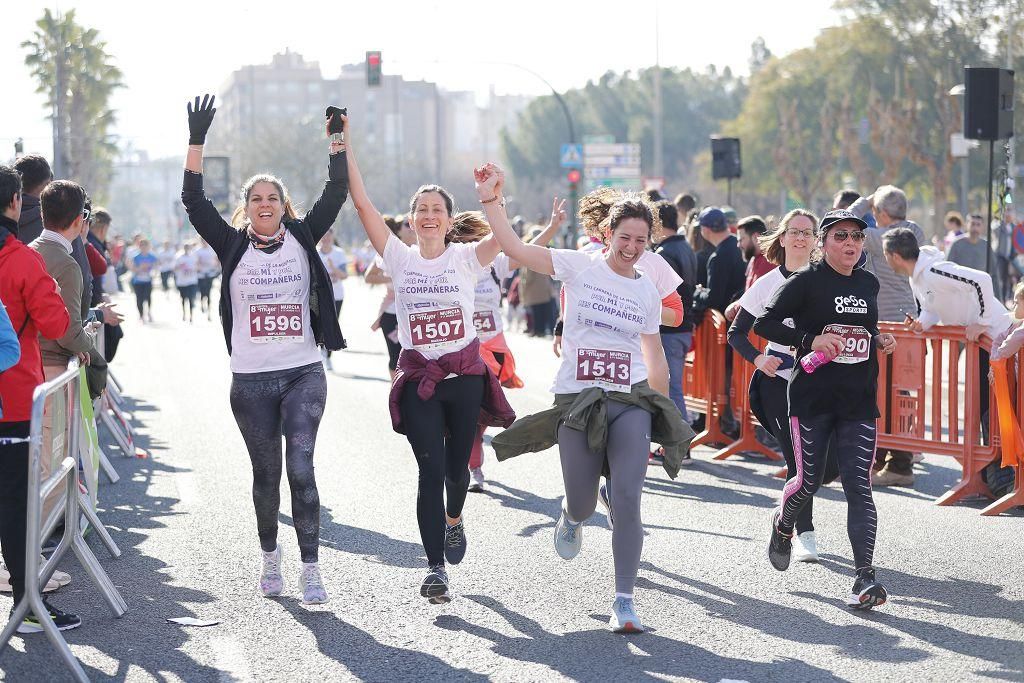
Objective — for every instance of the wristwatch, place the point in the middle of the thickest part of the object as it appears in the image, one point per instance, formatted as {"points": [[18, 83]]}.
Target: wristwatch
{"points": [[338, 138]]}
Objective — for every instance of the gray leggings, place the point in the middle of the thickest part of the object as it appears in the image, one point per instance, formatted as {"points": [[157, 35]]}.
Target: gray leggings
{"points": [[265, 405], [629, 442]]}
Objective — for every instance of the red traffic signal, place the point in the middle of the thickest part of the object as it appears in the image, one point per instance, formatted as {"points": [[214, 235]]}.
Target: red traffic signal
{"points": [[573, 176], [373, 68]]}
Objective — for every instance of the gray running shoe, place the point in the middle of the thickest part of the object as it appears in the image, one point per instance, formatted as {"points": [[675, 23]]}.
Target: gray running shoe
{"points": [[313, 591], [624, 618], [435, 585], [780, 547], [568, 537], [454, 543], [602, 496]]}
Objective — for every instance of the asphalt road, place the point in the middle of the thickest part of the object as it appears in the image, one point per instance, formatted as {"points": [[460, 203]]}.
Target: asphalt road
{"points": [[715, 608]]}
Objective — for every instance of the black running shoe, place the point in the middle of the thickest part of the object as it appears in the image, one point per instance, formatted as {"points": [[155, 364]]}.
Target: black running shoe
{"points": [[62, 620], [454, 543], [867, 592], [435, 585], [781, 546]]}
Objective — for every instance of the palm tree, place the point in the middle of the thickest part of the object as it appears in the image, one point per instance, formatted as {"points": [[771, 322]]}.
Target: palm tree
{"points": [[75, 72]]}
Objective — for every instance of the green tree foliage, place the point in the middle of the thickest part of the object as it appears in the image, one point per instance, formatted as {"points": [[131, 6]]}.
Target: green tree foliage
{"points": [[87, 79], [694, 104]]}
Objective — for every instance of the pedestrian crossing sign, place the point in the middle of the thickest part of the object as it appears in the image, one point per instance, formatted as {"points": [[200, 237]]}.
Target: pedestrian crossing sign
{"points": [[572, 156]]}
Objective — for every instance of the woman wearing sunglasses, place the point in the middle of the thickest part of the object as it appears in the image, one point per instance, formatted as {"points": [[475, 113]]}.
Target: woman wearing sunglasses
{"points": [[834, 311]]}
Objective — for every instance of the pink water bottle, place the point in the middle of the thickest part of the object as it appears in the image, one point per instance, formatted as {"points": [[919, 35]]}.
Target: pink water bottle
{"points": [[814, 360]]}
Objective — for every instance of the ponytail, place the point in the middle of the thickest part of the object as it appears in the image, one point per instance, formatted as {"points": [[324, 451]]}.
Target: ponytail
{"points": [[468, 226]]}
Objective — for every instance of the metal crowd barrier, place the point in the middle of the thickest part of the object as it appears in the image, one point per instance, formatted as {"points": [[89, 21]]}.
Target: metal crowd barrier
{"points": [[65, 415]]}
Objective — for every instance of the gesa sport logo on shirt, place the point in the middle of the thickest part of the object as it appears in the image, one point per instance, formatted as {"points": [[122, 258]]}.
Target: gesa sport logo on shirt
{"points": [[850, 304]]}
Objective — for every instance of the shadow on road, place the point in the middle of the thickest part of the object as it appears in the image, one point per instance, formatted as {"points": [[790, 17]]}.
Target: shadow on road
{"points": [[368, 659], [787, 623], [372, 546], [597, 655]]}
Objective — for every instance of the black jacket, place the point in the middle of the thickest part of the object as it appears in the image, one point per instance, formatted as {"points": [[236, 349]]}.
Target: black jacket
{"points": [[726, 278], [230, 244], [679, 254], [30, 224]]}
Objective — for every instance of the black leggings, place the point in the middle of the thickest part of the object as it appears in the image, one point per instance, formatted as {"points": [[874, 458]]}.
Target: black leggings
{"points": [[855, 451], [188, 297], [14, 502], [143, 293], [774, 402], [389, 326], [205, 287], [265, 404], [441, 431]]}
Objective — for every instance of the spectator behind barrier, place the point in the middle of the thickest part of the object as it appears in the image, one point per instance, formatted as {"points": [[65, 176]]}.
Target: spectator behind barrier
{"points": [[35, 175], [970, 250], [749, 231], [726, 270], [677, 341], [36, 309], [65, 219], [949, 294]]}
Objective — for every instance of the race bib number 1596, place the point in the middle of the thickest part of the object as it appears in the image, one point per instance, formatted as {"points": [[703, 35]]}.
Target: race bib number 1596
{"points": [[275, 323]]}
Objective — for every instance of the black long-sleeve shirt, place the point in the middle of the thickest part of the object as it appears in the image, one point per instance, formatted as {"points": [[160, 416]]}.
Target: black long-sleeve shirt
{"points": [[815, 298], [726, 278]]}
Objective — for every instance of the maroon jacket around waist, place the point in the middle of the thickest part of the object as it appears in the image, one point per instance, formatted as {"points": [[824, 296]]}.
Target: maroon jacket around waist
{"points": [[414, 367]]}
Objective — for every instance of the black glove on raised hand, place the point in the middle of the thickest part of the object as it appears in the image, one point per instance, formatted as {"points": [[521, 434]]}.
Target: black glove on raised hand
{"points": [[200, 117], [334, 122]]}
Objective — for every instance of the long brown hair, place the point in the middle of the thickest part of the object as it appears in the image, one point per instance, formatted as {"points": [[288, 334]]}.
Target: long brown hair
{"points": [[771, 243], [240, 220], [467, 226], [602, 210]]}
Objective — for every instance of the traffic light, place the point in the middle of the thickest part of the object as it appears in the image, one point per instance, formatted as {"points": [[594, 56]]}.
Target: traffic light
{"points": [[373, 62], [573, 176]]}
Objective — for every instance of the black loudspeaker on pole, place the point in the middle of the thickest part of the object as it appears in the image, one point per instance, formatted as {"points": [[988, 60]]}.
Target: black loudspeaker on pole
{"points": [[988, 115], [725, 160]]}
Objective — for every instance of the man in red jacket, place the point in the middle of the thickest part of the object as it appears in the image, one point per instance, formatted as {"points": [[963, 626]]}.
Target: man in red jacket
{"points": [[35, 308]]}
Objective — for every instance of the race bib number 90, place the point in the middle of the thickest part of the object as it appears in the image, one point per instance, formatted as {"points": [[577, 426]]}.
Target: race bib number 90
{"points": [[436, 328], [857, 347], [610, 368], [275, 323]]}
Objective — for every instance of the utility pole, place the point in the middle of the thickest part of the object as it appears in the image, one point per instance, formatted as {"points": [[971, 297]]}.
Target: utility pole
{"points": [[59, 104], [659, 160]]}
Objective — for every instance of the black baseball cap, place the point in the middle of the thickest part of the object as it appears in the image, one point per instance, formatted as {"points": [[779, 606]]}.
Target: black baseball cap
{"points": [[838, 216]]}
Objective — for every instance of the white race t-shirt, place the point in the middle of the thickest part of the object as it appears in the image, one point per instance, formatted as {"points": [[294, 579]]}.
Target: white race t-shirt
{"points": [[270, 310], [165, 259], [654, 266], [754, 301], [487, 302], [336, 258], [433, 298], [186, 270], [604, 316], [207, 258]]}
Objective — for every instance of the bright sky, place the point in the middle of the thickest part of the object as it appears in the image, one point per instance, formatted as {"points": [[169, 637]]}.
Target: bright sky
{"points": [[170, 51]]}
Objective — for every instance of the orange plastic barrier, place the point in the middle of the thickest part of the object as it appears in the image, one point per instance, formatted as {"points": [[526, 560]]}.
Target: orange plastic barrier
{"points": [[925, 402], [704, 377], [742, 372]]}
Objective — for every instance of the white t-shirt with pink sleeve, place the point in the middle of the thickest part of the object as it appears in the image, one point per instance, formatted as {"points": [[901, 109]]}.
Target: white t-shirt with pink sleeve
{"points": [[666, 279], [605, 314], [433, 297]]}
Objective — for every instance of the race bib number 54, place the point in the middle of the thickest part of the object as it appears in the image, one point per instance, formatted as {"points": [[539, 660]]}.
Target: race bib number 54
{"points": [[857, 343], [430, 329], [610, 368], [275, 323]]}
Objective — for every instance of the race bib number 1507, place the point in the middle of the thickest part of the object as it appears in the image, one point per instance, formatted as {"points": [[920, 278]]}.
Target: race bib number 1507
{"points": [[436, 328]]}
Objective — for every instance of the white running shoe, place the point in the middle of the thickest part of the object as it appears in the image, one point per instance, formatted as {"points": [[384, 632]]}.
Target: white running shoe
{"points": [[271, 581], [313, 591], [477, 476], [805, 547], [624, 618]]}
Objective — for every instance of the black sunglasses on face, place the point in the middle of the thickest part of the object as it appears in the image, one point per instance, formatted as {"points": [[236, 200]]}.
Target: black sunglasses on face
{"points": [[843, 235]]}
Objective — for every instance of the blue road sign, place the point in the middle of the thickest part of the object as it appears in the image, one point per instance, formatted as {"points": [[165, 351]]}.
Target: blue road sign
{"points": [[572, 156]]}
